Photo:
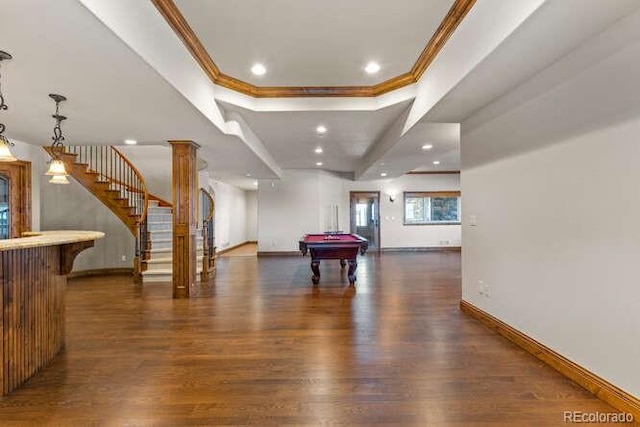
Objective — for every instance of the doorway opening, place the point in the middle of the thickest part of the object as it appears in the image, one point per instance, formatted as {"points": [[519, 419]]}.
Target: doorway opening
{"points": [[365, 216]]}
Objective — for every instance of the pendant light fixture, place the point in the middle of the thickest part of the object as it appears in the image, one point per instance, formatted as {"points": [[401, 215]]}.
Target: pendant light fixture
{"points": [[57, 171], [5, 152]]}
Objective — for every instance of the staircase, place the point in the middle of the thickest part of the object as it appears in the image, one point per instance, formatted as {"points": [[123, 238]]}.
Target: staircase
{"points": [[159, 254], [116, 182], [113, 180], [110, 177]]}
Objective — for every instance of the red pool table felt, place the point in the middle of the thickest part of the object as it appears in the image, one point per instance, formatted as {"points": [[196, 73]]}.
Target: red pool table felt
{"points": [[317, 238]]}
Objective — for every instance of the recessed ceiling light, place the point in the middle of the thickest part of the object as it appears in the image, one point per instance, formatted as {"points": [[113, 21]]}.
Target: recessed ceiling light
{"points": [[258, 69], [372, 68], [318, 150], [318, 163], [436, 162], [427, 147], [248, 174], [130, 141], [383, 174], [255, 182], [321, 130]]}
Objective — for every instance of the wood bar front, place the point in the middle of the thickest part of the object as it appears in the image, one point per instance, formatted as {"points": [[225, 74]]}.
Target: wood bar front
{"points": [[32, 300]]}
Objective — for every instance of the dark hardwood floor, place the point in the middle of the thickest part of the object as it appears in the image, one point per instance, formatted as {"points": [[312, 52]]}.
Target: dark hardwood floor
{"points": [[260, 345]]}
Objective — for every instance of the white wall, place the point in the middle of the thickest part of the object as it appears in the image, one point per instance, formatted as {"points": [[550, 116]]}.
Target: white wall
{"points": [[155, 164], [301, 203], [554, 185], [288, 209], [230, 214], [233, 208], [252, 215], [557, 242], [393, 233], [73, 207]]}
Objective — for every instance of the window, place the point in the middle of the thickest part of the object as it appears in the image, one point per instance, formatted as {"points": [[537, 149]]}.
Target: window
{"points": [[440, 207], [361, 215]]}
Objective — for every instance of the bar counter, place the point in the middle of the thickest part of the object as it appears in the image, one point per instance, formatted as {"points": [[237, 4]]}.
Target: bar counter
{"points": [[33, 279]]}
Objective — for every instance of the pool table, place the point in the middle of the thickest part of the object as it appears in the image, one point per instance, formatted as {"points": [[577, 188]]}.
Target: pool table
{"points": [[342, 246]]}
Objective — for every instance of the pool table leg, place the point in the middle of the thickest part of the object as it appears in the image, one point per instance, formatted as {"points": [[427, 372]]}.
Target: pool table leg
{"points": [[351, 274], [343, 263], [315, 268]]}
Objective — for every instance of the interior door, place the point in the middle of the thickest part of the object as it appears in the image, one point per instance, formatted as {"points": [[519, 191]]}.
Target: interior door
{"points": [[365, 216], [15, 199]]}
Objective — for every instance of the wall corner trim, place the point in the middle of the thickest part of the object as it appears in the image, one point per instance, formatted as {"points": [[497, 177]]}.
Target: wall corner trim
{"points": [[230, 248], [597, 386]]}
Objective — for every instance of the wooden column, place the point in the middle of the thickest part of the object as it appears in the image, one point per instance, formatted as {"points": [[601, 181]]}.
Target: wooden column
{"points": [[185, 194]]}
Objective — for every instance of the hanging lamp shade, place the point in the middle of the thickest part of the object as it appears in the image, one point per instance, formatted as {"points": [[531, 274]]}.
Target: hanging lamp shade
{"points": [[59, 179], [5, 153], [56, 168]]}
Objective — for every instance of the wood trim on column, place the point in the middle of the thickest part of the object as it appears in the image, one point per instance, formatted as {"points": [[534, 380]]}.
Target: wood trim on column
{"points": [[185, 194], [599, 387], [19, 175]]}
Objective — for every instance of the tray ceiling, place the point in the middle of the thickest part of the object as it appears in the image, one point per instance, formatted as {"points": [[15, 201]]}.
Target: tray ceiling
{"points": [[308, 48]]}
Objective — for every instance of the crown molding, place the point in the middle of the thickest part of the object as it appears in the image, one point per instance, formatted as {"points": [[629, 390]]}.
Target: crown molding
{"points": [[183, 30], [448, 172]]}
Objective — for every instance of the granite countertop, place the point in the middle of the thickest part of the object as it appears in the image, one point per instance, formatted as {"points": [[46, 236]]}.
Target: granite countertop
{"points": [[34, 239]]}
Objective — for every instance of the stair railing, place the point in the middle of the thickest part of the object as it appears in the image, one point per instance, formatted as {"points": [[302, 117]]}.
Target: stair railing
{"points": [[208, 236], [113, 169]]}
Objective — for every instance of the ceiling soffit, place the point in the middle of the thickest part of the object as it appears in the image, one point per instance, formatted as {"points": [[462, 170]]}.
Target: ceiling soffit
{"points": [[177, 21]]}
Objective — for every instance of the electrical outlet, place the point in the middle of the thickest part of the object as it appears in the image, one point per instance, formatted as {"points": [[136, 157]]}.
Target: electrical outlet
{"points": [[484, 289], [124, 257]]}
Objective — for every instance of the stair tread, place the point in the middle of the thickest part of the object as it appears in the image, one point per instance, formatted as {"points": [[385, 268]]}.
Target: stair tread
{"points": [[158, 271], [166, 240], [158, 260], [161, 271], [168, 260], [167, 250]]}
